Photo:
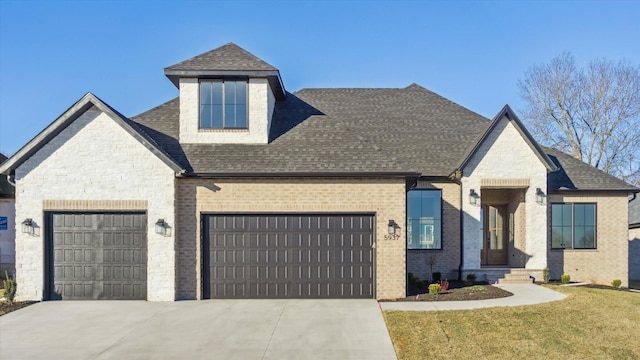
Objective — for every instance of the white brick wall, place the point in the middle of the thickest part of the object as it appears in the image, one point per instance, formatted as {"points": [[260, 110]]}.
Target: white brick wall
{"points": [[506, 155], [261, 103], [94, 158]]}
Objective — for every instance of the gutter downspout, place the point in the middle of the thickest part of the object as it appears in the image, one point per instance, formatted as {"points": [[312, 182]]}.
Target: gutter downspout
{"points": [[457, 177], [461, 235]]}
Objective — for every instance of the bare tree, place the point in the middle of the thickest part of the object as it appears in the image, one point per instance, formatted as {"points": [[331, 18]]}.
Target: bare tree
{"points": [[591, 113]]}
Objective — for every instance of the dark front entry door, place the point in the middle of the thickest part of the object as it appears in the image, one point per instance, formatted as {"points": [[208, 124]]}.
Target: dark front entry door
{"points": [[288, 256], [494, 249]]}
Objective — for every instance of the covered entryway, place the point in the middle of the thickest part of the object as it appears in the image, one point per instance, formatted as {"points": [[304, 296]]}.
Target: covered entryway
{"points": [[96, 256], [288, 256]]}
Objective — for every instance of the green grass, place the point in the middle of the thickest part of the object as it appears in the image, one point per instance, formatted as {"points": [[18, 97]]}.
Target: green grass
{"points": [[1, 293], [588, 324]]}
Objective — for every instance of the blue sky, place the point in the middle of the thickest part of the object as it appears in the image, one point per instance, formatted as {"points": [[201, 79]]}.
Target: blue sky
{"points": [[53, 52]]}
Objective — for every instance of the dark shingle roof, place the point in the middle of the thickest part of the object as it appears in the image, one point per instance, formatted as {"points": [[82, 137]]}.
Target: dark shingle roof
{"points": [[577, 175], [407, 130], [227, 61], [226, 57], [337, 131], [634, 213]]}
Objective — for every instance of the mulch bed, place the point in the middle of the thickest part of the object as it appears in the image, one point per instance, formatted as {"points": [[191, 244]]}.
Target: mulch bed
{"points": [[6, 307], [592, 286], [458, 291]]}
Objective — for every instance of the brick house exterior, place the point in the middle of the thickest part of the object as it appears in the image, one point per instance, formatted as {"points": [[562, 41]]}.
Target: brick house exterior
{"points": [[238, 188]]}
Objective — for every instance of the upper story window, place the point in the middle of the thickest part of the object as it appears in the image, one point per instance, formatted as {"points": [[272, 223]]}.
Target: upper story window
{"points": [[573, 226], [424, 219], [223, 104]]}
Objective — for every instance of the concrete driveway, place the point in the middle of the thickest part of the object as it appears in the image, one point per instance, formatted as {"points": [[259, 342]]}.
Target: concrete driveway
{"points": [[211, 329]]}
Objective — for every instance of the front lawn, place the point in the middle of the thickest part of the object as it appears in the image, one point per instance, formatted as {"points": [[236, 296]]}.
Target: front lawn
{"points": [[588, 324]]}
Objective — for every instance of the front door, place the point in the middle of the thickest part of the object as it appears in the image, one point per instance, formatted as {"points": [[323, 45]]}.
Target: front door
{"points": [[494, 247]]}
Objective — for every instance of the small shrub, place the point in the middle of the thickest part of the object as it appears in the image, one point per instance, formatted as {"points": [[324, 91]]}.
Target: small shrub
{"points": [[434, 289], [9, 287], [437, 276], [444, 285], [477, 288], [616, 283], [471, 278], [546, 275], [565, 278], [414, 280]]}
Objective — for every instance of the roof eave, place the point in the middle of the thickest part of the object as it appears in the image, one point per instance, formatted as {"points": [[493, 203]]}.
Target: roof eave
{"points": [[303, 175], [600, 191], [273, 76]]}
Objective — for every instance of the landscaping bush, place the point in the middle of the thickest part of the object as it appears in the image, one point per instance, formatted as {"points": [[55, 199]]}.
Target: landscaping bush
{"points": [[434, 289], [471, 278], [444, 285], [9, 287], [546, 275], [616, 283], [414, 280], [437, 276], [565, 278]]}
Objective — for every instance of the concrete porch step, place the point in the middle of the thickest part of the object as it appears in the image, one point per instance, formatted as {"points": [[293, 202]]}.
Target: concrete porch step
{"points": [[516, 276], [515, 281]]}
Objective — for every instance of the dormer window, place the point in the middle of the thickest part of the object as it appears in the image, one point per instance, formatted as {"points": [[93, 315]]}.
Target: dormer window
{"points": [[223, 104]]}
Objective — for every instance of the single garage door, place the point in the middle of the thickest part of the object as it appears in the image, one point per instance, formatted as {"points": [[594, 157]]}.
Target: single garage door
{"points": [[288, 256], [97, 256]]}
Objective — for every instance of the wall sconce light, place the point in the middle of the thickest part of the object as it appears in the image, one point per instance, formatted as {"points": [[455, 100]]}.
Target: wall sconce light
{"points": [[161, 227], [27, 226], [473, 197], [539, 196], [392, 227], [391, 231]]}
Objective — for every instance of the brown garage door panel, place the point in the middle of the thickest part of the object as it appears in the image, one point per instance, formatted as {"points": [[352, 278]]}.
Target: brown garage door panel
{"points": [[288, 256], [97, 256]]}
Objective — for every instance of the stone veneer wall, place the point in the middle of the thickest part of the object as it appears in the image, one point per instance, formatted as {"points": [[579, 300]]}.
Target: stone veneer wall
{"points": [[446, 260], [506, 157], [610, 260], [383, 197], [94, 164]]}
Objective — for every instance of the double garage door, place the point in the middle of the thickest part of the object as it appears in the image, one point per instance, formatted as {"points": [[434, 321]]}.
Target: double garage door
{"points": [[96, 256], [288, 256]]}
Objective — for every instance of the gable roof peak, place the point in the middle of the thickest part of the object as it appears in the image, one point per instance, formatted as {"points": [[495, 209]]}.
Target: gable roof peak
{"points": [[510, 115], [86, 102]]}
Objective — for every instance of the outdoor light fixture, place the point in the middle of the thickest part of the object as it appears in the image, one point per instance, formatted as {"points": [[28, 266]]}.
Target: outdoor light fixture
{"points": [[539, 196], [473, 197], [27, 226], [161, 227], [391, 230], [392, 227]]}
